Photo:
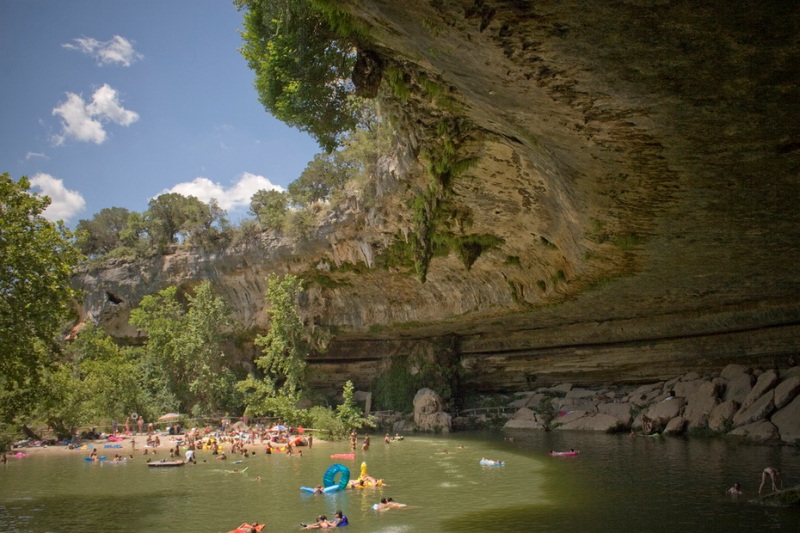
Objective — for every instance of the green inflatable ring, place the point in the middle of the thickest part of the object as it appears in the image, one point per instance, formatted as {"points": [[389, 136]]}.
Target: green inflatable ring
{"points": [[329, 479]]}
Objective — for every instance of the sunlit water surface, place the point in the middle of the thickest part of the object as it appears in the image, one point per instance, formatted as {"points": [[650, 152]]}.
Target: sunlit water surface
{"points": [[616, 484]]}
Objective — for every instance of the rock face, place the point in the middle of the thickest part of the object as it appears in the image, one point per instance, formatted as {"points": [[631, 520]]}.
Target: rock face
{"points": [[636, 164]]}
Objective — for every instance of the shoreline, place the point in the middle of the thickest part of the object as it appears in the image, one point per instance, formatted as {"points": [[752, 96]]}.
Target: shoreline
{"points": [[85, 447]]}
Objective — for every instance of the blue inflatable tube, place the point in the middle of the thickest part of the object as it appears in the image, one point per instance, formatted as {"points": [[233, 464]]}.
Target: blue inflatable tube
{"points": [[329, 479]]}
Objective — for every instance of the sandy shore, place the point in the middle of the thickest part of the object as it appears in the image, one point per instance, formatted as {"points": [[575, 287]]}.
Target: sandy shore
{"points": [[126, 448]]}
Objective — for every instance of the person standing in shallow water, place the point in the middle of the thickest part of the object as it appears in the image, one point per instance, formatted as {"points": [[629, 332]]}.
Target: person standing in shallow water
{"points": [[774, 474]]}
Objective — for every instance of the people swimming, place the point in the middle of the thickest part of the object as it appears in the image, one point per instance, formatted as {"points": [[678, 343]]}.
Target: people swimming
{"points": [[339, 520], [735, 490]]}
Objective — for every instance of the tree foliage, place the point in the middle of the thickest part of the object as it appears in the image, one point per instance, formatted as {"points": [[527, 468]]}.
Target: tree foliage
{"points": [[269, 207], [36, 263], [103, 233], [303, 66], [286, 345], [186, 344], [172, 215], [322, 176]]}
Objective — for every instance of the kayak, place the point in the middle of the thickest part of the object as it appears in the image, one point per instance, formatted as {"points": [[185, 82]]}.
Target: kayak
{"points": [[572, 453], [343, 456]]}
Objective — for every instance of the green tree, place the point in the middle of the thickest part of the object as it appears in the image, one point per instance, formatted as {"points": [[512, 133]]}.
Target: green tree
{"points": [[269, 207], [286, 345], [322, 176], [186, 344], [303, 66], [37, 258], [285, 348], [103, 233], [172, 217]]}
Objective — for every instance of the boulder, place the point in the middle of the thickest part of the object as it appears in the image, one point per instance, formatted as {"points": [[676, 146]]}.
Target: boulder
{"points": [[686, 389], [581, 393], [644, 394], [739, 386], [596, 422], [524, 419], [662, 412], [722, 415], [563, 387], [765, 382], [787, 420], [676, 426], [620, 411], [759, 410], [428, 412], [700, 404], [733, 370], [762, 431], [786, 391], [568, 417]]}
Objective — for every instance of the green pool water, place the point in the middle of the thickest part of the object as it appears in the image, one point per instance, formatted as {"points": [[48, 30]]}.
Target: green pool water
{"points": [[615, 484]]}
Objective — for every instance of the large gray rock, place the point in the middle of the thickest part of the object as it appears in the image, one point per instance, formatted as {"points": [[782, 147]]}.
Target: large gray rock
{"points": [[765, 382], [786, 391], [428, 412], [733, 370], [581, 393], [761, 431], [739, 386], [597, 422], [760, 409], [722, 415], [676, 426], [686, 389], [569, 417], [524, 419], [620, 411], [644, 394], [700, 404], [787, 420], [662, 412]]}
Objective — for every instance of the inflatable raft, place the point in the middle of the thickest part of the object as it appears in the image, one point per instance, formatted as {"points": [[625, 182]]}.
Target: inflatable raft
{"points": [[329, 482], [571, 453], [166, 463], [489, 462]]}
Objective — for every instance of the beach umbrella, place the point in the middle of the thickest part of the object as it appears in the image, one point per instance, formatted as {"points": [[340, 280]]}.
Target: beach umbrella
{"points": [[279, 427], [169, 416]]}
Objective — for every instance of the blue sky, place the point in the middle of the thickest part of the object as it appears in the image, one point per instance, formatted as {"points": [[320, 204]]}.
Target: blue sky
{"points": [[109, 103]]}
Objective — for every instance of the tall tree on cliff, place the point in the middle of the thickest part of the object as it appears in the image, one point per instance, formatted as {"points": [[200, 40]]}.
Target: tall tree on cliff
{"points": [[36, 262]]}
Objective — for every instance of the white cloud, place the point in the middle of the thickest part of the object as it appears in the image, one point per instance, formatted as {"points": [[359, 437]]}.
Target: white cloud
{"points": [[118, 50], [233, 197], [105, 104], [64, 203], [31, 155], [85, 121]]}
